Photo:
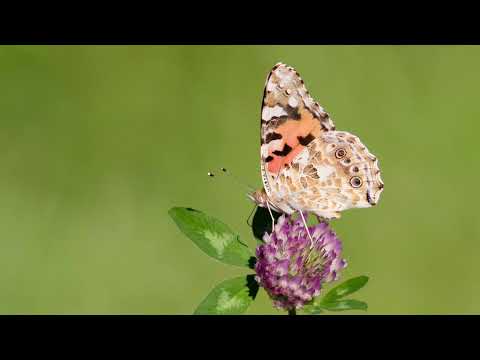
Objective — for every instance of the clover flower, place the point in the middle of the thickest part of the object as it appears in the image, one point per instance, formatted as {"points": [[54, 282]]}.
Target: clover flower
{"points": [[292, 268]]}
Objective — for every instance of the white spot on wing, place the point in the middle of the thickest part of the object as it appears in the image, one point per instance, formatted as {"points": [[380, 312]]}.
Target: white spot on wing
{"points": [[272, 145], [270, 86], [324, 172], [276, 144], [269, 112], [285, 80], [292, 101], [303, 157], [264, 150]]}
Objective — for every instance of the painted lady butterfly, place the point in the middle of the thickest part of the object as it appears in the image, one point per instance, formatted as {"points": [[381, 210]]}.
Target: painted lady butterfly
{"points": [[306, 164]]}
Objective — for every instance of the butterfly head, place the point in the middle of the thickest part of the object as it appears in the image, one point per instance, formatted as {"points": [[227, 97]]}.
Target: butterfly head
{"points": [[259, 197]]}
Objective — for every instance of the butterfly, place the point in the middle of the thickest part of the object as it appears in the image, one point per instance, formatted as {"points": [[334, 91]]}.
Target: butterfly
{"points": [[307, 165]]}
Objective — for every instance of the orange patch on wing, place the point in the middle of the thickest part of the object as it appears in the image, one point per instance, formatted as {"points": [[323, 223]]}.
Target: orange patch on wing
{"points": [[290, 131], [278, 162]]}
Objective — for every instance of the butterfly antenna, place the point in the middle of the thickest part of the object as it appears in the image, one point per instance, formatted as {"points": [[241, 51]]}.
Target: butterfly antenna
{"points": [[235, 179], [249, 188]]}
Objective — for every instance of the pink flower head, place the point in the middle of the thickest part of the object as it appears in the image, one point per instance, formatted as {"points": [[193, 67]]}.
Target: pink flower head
{"points": [[291, 268]]}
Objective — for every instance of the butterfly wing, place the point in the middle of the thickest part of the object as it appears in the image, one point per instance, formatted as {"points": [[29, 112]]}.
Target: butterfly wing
{"points": [[307, 165], [335, 172], [290, 120]]}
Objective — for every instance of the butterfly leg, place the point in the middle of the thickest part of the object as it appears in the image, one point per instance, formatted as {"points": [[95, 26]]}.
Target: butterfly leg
{"points": [[321, 219], [306, 228], [249, 216], [271, 215], [326, 219]]}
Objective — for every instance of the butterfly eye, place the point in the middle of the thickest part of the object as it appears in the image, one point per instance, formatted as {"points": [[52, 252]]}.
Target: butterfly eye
{"points": [[340, 153], [356, 182]]}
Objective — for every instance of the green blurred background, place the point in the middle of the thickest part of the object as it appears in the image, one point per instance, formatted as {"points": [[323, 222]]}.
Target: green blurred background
{"points": [[98, 142]]}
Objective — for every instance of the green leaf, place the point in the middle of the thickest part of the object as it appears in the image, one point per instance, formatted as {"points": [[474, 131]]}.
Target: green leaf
{"points": [[313, 309], [342, 305], [331, 301], [231, 297], [212, 236], [339, 305], [346, 288]]}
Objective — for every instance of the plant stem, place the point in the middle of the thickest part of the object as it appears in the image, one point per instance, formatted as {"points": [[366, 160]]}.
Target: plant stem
{"points": [[292, 312]]}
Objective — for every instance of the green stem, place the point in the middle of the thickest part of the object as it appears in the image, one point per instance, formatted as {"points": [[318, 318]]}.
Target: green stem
{"points": [[292, 312]]}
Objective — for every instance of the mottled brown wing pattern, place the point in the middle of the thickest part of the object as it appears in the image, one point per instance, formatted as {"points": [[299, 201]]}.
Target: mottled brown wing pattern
{"points": [[334, 173], [290, 120], [306, 164]]}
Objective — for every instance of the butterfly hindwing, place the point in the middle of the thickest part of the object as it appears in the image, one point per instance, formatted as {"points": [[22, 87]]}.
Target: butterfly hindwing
{"points": [[335, 172]]}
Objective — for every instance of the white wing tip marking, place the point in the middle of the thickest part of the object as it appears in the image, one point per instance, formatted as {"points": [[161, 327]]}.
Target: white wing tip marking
{"points": [[270, 112]]}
